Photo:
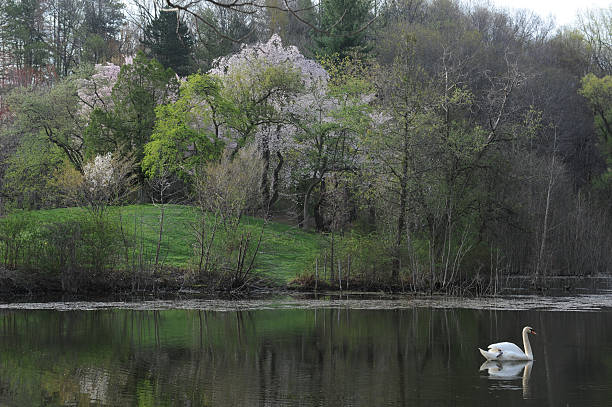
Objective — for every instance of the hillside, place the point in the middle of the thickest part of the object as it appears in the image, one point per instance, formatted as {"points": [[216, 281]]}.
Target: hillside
{"points": [[285, 251]]}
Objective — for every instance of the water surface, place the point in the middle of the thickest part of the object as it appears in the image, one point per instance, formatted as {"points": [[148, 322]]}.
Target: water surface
{"points": [[329, 352]]}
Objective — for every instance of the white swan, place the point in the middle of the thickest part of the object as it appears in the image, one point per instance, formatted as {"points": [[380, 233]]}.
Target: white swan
{"points": [[508, 350]]}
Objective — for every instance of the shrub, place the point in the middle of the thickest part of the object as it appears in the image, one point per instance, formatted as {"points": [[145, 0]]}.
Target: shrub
{"points": [[77, 252]]}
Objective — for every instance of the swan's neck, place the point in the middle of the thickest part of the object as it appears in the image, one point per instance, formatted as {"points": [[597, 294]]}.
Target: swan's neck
{"points": [[527, 345]]}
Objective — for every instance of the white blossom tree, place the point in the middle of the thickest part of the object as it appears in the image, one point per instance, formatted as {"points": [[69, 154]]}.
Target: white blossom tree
{"points": [[105, 180], [263, 81]]}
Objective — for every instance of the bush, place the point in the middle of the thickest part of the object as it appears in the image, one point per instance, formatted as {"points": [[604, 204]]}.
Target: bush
{"points": [[15, 236], [76, 252]]}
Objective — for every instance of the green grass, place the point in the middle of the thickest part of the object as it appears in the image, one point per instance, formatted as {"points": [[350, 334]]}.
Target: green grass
{"points": [[285, 252]]}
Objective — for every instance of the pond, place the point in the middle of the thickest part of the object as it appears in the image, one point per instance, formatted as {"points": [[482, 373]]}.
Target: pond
{"points": [[304, 352]]}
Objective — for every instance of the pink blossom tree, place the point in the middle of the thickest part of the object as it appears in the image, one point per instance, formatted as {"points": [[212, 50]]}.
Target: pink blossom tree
{"points": [[96, 91]]}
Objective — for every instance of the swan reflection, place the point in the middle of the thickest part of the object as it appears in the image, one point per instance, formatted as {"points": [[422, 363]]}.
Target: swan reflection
{"points": [[508, 371]]}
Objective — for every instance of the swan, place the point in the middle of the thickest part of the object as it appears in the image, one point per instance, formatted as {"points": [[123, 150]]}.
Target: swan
{"points": [[509, 351]]}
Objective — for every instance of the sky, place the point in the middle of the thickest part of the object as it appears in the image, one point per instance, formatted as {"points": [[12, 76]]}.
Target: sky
{"points": [[564, 11]]}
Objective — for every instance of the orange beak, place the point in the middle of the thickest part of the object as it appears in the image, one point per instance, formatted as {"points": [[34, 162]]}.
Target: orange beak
{"points": [[533, 332]]}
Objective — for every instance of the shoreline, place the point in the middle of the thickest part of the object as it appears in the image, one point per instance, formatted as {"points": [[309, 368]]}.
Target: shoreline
{"points": [[583, 302], [160, 292]]}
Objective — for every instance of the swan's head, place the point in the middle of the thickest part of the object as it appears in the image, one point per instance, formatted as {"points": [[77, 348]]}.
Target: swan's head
{"points": [[529, 330]]}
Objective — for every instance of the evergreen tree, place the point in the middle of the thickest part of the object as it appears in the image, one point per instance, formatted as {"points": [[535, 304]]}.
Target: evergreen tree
{"points": [[168, 39], [102, 21], [22, 32], [344, 23]]}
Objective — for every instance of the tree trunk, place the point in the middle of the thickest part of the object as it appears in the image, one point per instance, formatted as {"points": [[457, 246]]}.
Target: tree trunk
{"points": [[264, 186], [306, 218], [401, 219], [275, 177]]}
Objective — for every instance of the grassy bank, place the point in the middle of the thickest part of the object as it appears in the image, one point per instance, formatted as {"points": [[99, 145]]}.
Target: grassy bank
{"points": [[285, 251]]}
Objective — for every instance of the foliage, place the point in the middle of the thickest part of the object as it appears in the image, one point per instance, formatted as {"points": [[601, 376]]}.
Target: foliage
{"points": [[595, 26], [102, 21], [75, 251], [213, 35], [106, 180], [22, 28], [126, 124], [29, 176], [95, 88], [52, 114], [262, 81], [343, 23], [188, 132], [225, 190], [284, 252], [598, 92], [168, 40], [472, 134]]}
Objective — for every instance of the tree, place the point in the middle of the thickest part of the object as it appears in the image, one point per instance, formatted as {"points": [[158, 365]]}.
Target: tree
{"points": [[342, 23], [261, 81], [209, 45], [101, 25], [65, 41], [30, 171], [300, 11], [52, 113], [596, 27], [330, 117], [598, 93], [224, 190], [405, 94], [23, 30], [188, 133], [168, 39], [125, 124]]}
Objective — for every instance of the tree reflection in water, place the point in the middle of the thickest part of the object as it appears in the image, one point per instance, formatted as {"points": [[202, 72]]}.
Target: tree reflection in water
{"points": [[306, 357]]}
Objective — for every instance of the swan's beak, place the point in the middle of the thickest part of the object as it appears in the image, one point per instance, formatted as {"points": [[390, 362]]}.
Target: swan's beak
{"points": [[533, 332]]}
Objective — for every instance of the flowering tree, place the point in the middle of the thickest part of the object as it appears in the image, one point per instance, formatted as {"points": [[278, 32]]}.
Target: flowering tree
{"points": [[264, 81], [105, 179], [329, 118], [96, 90]]}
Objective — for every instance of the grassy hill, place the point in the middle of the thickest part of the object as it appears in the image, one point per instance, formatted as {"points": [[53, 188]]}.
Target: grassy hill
{"points": [[285, 251]]}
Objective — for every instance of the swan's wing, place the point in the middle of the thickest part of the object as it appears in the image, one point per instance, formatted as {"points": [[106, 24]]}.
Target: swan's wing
{"points": [[506, 347], [492, 354]]}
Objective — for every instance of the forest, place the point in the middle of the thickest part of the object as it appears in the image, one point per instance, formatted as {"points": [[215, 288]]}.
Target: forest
{"points": [[415, 145]]}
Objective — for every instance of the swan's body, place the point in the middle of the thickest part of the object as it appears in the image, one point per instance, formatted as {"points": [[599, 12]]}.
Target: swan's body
{"points": [[509, 351]]}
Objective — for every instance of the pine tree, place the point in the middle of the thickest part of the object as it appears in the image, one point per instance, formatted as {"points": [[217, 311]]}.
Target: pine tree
{"points": [[102, 21], [168, 39], [344, 23]]}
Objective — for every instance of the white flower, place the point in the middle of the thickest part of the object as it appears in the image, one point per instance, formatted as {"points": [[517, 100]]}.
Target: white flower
{"points": [[99, 173]]}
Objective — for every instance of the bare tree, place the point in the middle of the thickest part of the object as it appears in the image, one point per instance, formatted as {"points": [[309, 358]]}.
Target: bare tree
{"points": [[224, 191]]}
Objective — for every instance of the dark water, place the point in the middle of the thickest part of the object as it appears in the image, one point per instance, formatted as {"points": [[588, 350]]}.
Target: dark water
{"points": [[300, 357]]}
